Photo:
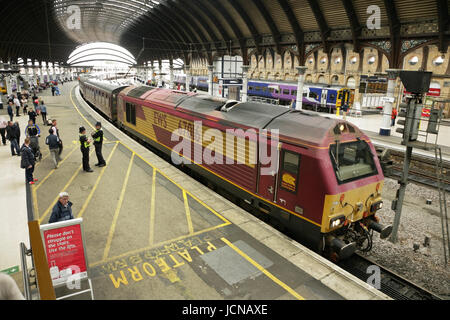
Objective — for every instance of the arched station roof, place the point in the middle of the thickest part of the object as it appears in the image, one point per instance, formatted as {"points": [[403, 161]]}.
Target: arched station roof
{"points": [[160, 29]]}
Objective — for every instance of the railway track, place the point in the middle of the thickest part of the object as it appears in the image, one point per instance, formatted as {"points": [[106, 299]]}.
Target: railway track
{"points": [[392, 284], [422, 170]]}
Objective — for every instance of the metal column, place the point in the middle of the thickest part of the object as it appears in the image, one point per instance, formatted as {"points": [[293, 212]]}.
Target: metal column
{"points": [[301, 80]]}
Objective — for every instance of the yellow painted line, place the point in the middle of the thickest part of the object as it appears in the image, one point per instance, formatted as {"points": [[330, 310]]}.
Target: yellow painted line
{"points": [[188, 213], [51, 172], [158, 244], [116, 213], [263, 270], [180, 187], [43, 158], [79, 112], [86, 203], [152, 209], [63, 189]]}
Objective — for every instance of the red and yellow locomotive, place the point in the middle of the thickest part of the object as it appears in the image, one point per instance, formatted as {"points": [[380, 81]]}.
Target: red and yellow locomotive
{"points": [[325, 186]]}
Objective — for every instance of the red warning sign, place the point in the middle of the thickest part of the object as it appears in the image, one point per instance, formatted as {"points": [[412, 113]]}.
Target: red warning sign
{"points": [[65, 251]]}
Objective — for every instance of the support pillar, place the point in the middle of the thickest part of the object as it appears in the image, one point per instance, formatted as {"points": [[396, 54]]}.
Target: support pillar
{"points": [[188, 77], [8, 81], [160, 77], [210, 79], [301, 81], [385, 129], [245, 69], [171, 77]]}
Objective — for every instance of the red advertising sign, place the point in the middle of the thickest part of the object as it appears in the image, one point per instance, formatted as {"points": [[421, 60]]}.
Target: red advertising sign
{"points": [[432, 92], [63, 243]]}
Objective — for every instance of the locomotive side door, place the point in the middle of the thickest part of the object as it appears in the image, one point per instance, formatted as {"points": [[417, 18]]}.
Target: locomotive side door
{"points": [[288, 180]]}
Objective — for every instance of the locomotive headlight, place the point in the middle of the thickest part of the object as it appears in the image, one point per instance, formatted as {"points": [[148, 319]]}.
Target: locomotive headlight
{"points": [[337, 221], [376, 206]]}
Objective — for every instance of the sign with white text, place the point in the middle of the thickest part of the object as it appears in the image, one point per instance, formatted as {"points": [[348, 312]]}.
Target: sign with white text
{"points": [[65, 250]]}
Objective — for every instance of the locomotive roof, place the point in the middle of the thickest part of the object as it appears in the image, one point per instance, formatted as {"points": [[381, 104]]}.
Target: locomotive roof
{"points": [[306, 127], [107, 86]]}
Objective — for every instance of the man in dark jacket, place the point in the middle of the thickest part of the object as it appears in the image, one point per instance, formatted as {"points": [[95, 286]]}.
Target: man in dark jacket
{"points": [[62, 210], [85, 143], [28, 161], [98, 143], [13, 135], [10, 111], [53, 144]]}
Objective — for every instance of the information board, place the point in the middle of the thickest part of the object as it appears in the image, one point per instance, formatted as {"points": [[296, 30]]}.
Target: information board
{"points": [[65, 250]]}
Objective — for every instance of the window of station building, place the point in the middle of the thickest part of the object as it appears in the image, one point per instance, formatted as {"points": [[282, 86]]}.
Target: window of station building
{"points": [[130, 110], [353, 60], [323, 60], [413, 61], [337, 60], [289, 171], [438, 61], [371, 60]]}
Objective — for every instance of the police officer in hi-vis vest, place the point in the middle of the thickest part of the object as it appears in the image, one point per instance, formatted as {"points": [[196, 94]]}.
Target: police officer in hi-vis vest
{"points": [[98, 143], [84, 147]]}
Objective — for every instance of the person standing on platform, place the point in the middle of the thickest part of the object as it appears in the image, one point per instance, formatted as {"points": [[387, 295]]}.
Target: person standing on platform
{"points": [[98, 144], [23, 102], [56, 133], [10, 111], [62, 210], [53, 144], [35, 101], [28, 161], [85, 143], [3, 125], [32, 130], [17, 104], [32, 115], [13, 135], [393, 116], [44, 113]]}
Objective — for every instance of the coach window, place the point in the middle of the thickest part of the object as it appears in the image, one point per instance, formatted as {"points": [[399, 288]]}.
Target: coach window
{"points": [[286, 92], [289, 171]]}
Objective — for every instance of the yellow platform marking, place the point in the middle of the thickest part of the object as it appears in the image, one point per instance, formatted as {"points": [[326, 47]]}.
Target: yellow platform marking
{"points": [[43, 158], [152, 209], [119, 206], [263, 270], [86, 203], [52, 171], [180, 187], [131, 252], [188, 213], [64, 189]]}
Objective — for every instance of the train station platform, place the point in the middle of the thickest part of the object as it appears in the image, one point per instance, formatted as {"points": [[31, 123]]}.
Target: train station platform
{"points": [[152, 232], [371, 124]]}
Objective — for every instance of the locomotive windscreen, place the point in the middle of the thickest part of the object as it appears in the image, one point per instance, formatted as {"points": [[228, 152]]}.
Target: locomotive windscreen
{"points": [[352, 161]]}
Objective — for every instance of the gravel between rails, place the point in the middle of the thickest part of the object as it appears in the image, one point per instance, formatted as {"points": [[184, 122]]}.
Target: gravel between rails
{"points": [[425, 266]]}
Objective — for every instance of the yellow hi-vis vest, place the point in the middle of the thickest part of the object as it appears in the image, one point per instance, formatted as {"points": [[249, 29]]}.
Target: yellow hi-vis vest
{"points": [[86, 143]]}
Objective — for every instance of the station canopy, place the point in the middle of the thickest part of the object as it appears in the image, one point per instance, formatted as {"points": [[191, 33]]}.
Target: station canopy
{"points": [[50, 30], [100, 54]]}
